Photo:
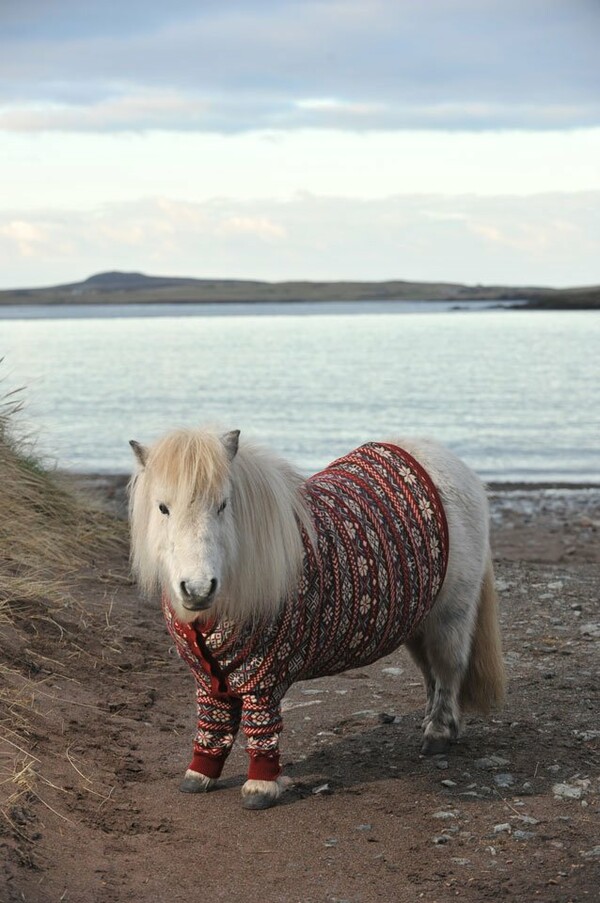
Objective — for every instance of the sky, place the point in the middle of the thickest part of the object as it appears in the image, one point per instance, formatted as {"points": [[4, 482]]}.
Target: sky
{"points": [[434, 140]]}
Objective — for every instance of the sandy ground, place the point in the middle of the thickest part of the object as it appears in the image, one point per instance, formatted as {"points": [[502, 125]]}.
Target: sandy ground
{"points": [[511, 813]]}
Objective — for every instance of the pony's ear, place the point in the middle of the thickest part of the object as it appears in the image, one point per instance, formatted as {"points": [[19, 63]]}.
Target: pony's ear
{"points": [[231, 442], [140, 451]]}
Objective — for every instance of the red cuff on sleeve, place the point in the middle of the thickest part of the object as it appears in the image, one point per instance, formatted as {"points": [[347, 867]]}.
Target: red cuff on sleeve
{"points": [[264, 767], [209, 766]]}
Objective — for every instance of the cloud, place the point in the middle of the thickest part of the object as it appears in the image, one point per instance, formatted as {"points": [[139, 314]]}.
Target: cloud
{"points": [[262, 64], [548, 239], [141, 110], [261, 227], [25, 237]]}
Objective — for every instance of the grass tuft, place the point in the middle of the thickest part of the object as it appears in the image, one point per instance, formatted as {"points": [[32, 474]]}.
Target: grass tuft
{"points": [[49, 539]]}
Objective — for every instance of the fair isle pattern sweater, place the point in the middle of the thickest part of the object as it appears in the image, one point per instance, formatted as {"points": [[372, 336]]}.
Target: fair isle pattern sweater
{"points": [[378, 564]]}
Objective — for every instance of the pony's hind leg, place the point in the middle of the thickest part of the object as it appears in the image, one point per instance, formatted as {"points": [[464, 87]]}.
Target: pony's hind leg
{"points": [[416, 647], [446, 644]]}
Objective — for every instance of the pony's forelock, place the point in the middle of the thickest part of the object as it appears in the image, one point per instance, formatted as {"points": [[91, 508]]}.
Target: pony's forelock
{"points": [[186, 464]]}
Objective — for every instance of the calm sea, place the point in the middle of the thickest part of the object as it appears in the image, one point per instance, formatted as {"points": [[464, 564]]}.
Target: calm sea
{"points": [[516, 393]]}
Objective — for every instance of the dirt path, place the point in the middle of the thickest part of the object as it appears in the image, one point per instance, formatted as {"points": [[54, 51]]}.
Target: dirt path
{"points": [[512, 813]]}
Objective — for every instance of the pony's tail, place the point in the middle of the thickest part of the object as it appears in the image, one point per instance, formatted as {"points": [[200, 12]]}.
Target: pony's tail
{"points": [[482, 688]]}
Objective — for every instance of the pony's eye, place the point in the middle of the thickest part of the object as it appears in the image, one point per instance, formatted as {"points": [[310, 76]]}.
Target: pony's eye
{"points": [[222, 506], [163, 509]]}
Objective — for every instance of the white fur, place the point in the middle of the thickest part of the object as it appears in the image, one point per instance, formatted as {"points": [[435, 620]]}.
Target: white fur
{"points": [[264, 794], [197, 782]]}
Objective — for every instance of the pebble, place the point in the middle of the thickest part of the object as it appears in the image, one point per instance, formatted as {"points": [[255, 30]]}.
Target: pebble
{"points": [[523, 835], [572, 791], [528, 820], [444, 813], [504, 779], [442, 764], [594, 853], [364, 827], [442, 838], [587, 735], [386, 718], [322, 789], [364, 713], [448, 783], [457, 861], [502, 828], [592, 630], [491, 762], [393, 672]]}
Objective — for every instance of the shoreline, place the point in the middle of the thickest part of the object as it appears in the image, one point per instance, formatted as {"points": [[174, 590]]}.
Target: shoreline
{"points": [[85, 478], [550, 521], [492, 485], [458, 305], [116, 286]]}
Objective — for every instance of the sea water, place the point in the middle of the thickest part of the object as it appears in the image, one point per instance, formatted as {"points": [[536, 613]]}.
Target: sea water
{"points": [[516, 393]]}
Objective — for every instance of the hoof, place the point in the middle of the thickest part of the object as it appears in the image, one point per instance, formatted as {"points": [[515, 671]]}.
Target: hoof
{"points": [[435, 746], [194, 782], [263, 794], [258, 801]]}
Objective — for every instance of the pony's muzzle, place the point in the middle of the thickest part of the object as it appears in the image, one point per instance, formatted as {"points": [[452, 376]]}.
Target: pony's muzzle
{"points": [[197, 597]]}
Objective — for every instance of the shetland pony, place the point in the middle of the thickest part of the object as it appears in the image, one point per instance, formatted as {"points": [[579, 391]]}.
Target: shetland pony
{"points": [[267, 579]]}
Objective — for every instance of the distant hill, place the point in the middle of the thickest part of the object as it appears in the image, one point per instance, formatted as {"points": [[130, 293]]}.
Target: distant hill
{"points": [[137, 288]]}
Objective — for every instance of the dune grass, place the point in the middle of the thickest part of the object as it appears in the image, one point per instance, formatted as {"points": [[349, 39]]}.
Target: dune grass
{"points": [[49, 538]]}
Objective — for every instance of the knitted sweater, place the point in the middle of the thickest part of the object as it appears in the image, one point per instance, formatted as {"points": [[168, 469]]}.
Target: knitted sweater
{"points": [[377, 566]]}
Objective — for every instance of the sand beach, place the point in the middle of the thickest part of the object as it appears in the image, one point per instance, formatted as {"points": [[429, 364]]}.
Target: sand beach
{"points": [[106, 710]]}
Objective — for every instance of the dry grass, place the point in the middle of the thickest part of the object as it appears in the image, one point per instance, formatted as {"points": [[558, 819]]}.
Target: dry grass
{"points": [[48, 540], [45, 532]]}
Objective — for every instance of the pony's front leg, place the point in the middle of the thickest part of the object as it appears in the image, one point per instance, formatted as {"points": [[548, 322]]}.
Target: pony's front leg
{"points": [[218, 723], [262, 724]]}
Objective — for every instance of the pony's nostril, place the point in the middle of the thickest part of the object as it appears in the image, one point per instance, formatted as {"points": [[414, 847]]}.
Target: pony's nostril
{"points": [[189, 590]]}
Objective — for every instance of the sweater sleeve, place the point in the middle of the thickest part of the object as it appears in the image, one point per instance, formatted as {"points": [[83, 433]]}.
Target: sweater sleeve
{"points": [[262, 723], [218, 723]]}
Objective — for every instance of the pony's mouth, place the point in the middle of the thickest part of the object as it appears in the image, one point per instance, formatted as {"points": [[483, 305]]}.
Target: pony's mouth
{"points": [[199, 606]]}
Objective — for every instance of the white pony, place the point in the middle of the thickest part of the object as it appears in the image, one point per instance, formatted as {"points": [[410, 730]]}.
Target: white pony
{"points": [[267, 579]]}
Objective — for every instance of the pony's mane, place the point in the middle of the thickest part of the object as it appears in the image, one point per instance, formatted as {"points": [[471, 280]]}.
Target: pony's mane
{"points": [[269, 512], [266, 549]]}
